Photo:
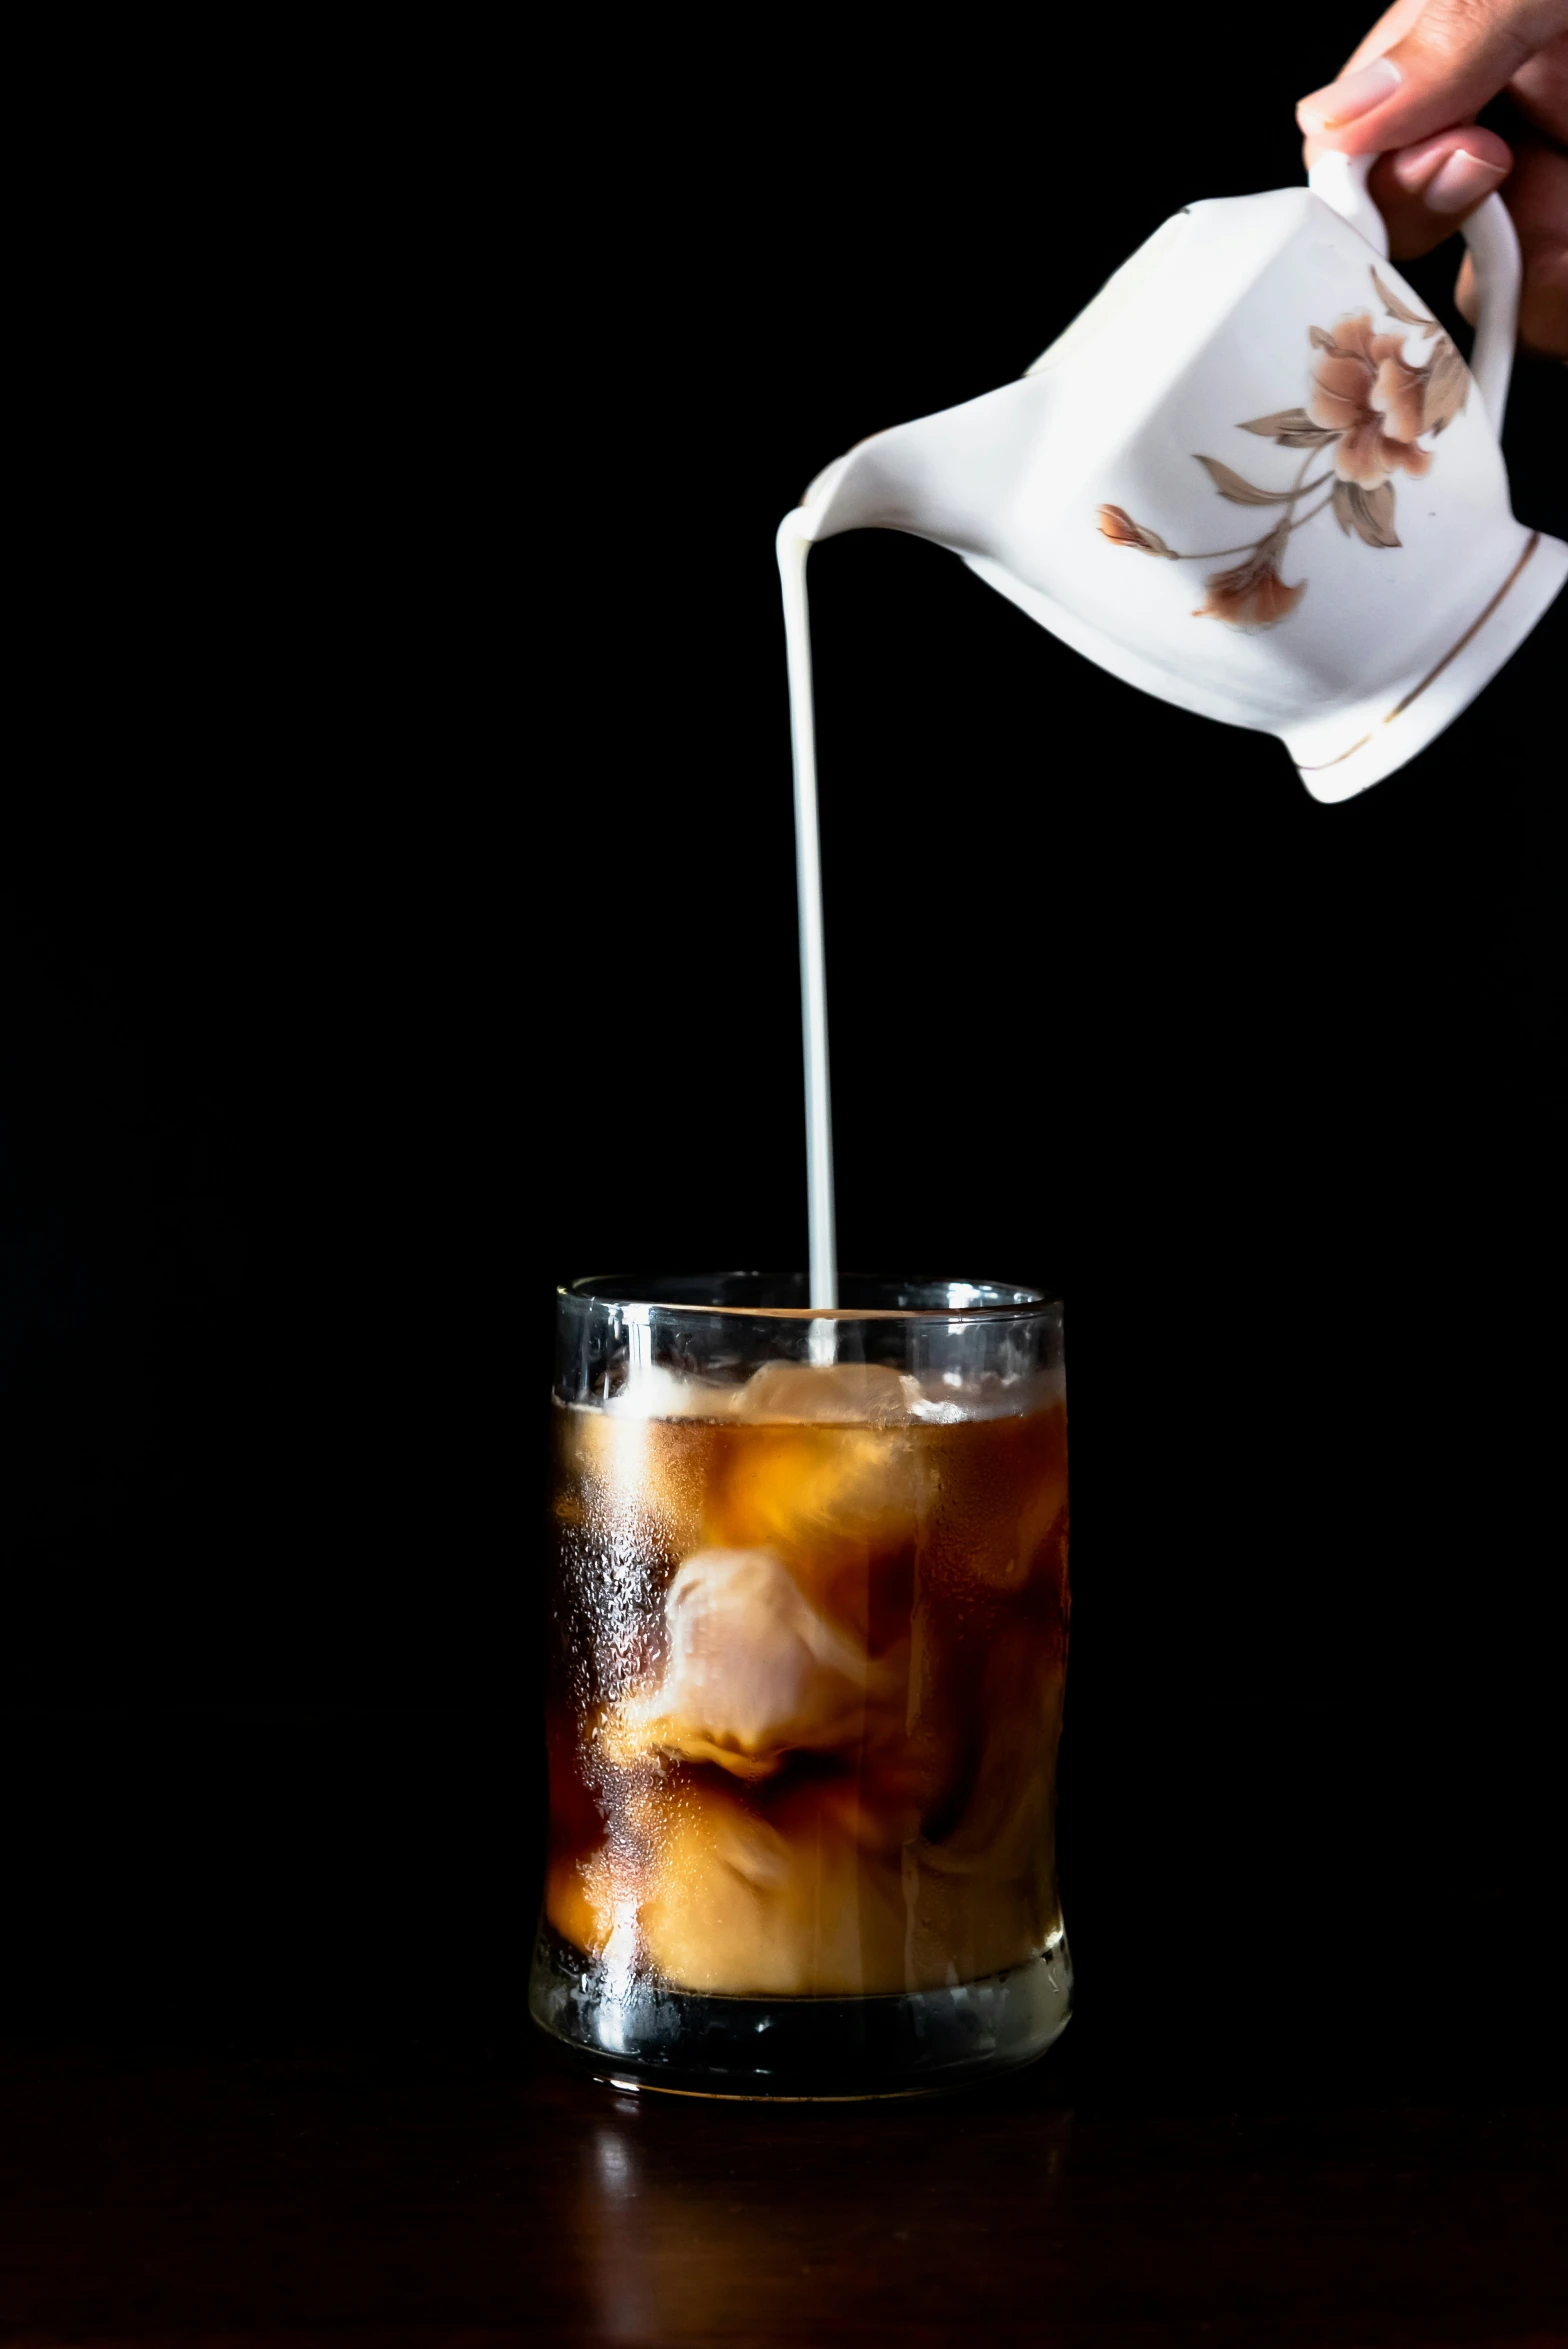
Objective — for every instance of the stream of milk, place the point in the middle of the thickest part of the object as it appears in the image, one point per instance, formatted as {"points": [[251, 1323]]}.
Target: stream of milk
{"points": [[793, 548]]}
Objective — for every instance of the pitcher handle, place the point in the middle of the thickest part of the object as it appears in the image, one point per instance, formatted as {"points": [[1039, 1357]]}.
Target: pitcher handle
{"points": [[1341, 181]]}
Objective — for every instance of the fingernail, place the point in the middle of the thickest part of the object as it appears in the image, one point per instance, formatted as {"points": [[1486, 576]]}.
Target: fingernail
{"points": [[1412, 167], [1347, 100], [1463, 181]]}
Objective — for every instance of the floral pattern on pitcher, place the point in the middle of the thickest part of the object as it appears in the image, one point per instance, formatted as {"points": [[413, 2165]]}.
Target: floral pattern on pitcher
{"points": [[1368, 411]]}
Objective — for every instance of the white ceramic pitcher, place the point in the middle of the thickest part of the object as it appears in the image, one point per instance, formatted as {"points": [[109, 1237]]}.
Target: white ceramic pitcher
{"points": [[1253, 476]]}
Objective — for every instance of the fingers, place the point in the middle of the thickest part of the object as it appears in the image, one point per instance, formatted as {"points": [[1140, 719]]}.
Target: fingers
{"points": [[1409, 94], [1539, 90], [1425, 191], [1538, 199], [1441, 65], [1390, 27]]}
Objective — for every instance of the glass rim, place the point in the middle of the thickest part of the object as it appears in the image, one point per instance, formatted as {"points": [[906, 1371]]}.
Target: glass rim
{"points": [[1023, 1304]]}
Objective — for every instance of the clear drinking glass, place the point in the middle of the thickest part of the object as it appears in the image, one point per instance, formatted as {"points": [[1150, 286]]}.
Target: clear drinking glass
{"points": [[808, 1627]]}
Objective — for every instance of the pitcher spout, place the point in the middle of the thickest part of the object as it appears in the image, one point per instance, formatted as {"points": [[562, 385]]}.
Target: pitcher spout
{"points": [[955, 477]]}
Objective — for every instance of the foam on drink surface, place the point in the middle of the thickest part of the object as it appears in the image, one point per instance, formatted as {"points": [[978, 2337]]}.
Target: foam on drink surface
{"points": [[811, 1636]]}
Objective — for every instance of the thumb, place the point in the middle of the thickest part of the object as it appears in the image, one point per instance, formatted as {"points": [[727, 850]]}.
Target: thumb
{"points": [[1453, 58]]}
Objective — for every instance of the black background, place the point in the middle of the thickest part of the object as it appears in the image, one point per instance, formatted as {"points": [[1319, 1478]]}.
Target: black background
{"points": [[399, 916]]}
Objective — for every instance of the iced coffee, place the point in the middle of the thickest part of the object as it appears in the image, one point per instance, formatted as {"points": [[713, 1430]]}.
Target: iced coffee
{"points": [[809, 1629]]}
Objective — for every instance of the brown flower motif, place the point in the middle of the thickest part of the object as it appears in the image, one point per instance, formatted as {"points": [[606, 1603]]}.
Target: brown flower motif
{"points": [[1365, 390], [1369, 408], [1118, 526], [1253, 595]]}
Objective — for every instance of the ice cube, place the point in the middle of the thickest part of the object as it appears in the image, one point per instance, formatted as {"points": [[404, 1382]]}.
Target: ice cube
{"points": [[635, 1483], [652, 1391], [839, 1501], [753, 1672], [592, 1898], [948, 1398], [789, 1905], [840, 1394]]}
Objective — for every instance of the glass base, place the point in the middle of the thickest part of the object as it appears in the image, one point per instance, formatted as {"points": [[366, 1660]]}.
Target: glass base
{"points": [[643, 2036]]}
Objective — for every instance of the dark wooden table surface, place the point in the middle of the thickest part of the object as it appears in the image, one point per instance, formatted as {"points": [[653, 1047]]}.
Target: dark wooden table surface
{"points": [[419, 2196]]}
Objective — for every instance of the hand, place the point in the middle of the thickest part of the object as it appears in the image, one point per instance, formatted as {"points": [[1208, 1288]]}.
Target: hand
{"points": [[1412, 91]]}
